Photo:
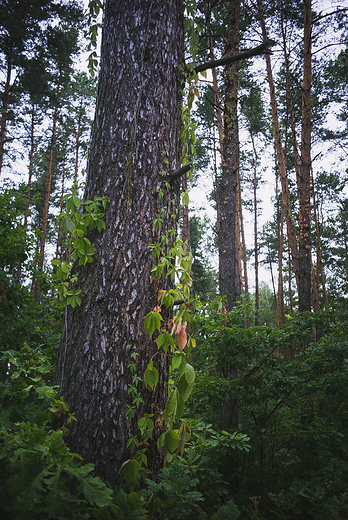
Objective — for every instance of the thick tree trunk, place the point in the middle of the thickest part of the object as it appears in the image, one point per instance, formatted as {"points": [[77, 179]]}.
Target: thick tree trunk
{"points": [[135, 136], [228, 254], [305, 294]]}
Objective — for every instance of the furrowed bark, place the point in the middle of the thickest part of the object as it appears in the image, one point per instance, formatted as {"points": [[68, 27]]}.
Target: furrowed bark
{"points": [[135, 133], [228, 254], [305, 259]]}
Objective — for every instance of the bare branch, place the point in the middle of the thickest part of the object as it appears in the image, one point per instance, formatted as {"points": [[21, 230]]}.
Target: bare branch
{"points": [[180, 173], [260, 49]]}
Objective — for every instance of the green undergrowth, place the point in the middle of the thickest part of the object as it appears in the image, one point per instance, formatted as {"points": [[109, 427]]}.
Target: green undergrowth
{"points": [[285, 458]]}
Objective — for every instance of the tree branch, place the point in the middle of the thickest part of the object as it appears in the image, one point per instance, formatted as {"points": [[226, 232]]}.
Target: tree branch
{"points": [[260, 49], [180, 173]]}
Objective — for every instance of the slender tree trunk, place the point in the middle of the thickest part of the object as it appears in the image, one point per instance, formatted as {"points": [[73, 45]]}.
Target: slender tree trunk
{"points": [[290, 280], [5, 100], [76, 169], [46, 202], [297, 162], [77, 148], [256, 248], [185, 217], [280, 315], [219, 119], [31, 165], [228, 253], [245, 265], [215, 82], [280, 157], [320, 267], [135, 137], [305, 286], [239, 217], [60, 221]]}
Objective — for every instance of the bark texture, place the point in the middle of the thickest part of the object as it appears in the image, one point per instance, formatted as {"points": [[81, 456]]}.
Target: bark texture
{"points": [[228, 253], [135, 137], [305, 293]]}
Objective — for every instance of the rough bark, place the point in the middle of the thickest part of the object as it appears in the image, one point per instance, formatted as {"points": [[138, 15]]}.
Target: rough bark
{"points": [[228, 254], [305, 286], [136, 130]]}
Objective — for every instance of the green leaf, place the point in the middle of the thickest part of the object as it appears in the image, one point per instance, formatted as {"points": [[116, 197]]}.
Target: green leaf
{"points": [[171, 441], [160, 442], [152, 322], [130, 471], [176, 361], [68, 224], [93, 488], [184, 388], [76, 201], [190, 374], [180, 408], [151, 376], [182, 367], [164, 340], [172, 403]]}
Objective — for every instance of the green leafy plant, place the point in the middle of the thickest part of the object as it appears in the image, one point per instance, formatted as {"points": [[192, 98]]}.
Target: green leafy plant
{"points": [[77, 224]]}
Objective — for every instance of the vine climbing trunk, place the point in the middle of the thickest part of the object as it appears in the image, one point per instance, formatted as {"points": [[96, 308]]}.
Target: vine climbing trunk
{"points": [[134, 139]]}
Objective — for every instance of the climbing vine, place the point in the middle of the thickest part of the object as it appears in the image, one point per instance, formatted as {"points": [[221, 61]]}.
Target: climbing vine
{"points": [[171, 336], [77, 222]]}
